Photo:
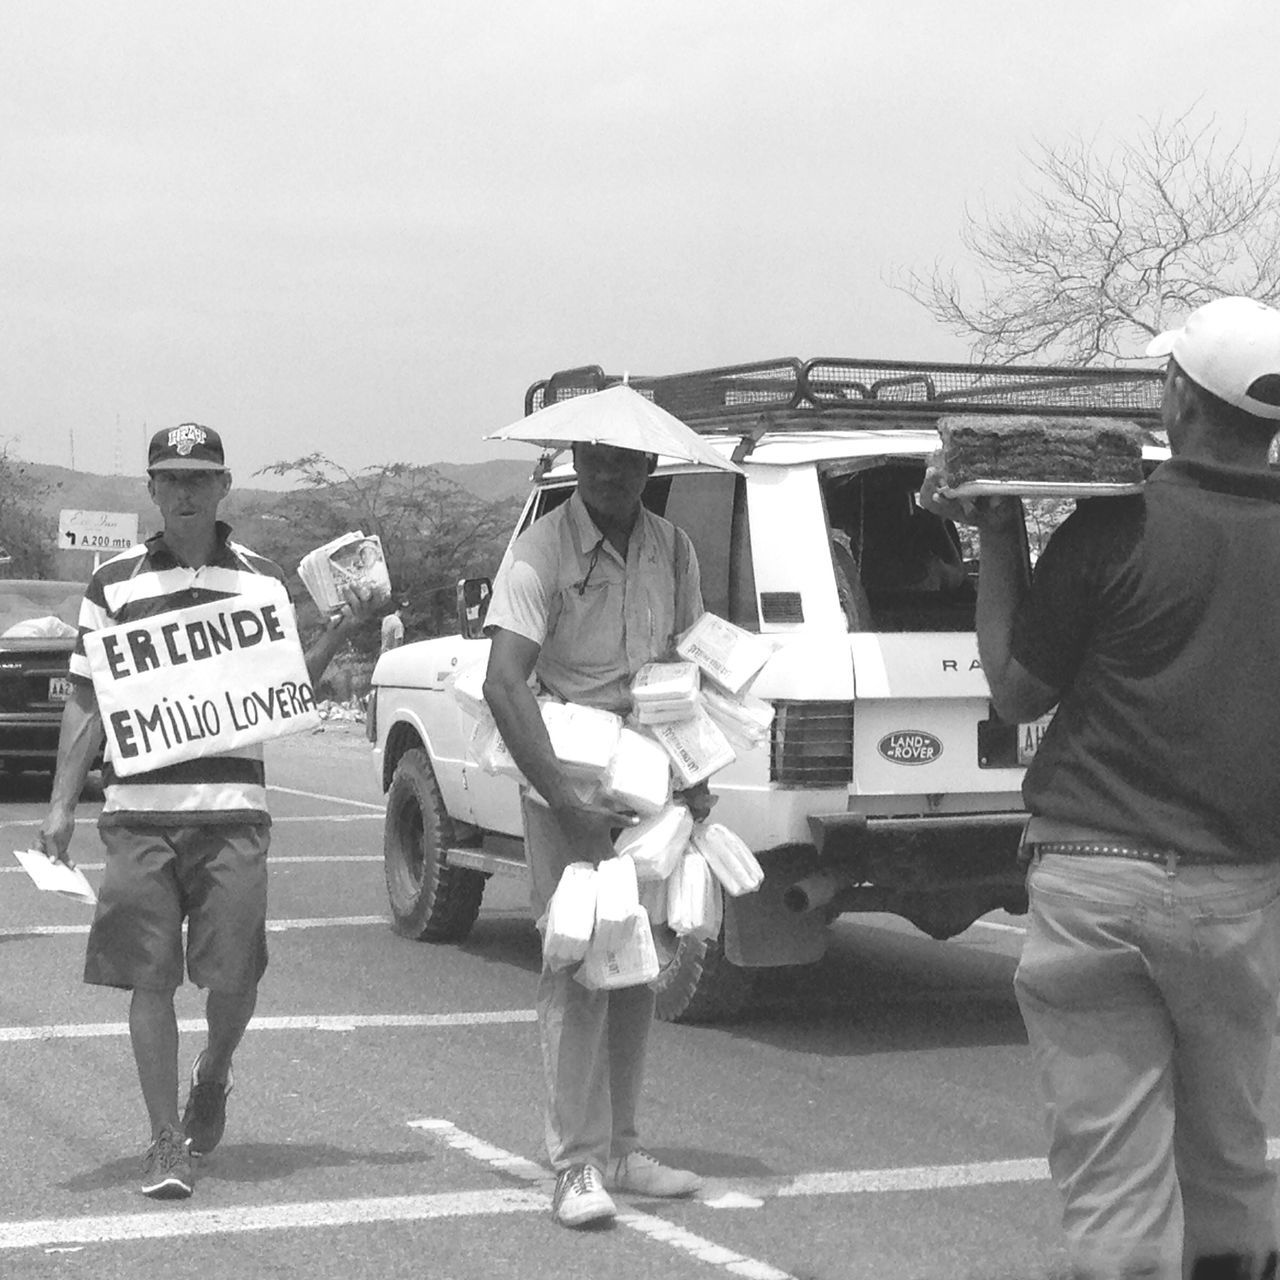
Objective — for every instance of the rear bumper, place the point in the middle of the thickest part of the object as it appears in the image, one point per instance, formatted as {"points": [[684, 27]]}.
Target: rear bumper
{"points": [[846, 838]]}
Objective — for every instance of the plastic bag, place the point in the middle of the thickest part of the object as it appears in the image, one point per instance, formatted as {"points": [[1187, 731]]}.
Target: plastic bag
{"points": [[743, 718], [583, 738], [571, 917], [694, 908], [696, 746], [629, 961], [726, 853], [617, 900], [653, 898], [467, 688], [487, 749], [729, 655], [665, 691], [655, 844], [639, 775]]}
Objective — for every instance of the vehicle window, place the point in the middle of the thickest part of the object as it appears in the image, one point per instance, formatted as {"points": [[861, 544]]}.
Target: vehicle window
{"points": [[711, 508], [897, 567], [39, 609]]}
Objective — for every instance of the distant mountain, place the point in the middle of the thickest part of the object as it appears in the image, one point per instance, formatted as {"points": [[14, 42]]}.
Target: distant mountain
{"points": [[501, 478], [59, 487]]}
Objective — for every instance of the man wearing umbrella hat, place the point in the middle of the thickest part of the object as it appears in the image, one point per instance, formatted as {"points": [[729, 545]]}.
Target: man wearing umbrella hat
{"points": [[585, 597]]}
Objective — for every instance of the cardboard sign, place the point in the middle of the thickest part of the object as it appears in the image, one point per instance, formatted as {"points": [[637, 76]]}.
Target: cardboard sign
{"points": [[201, 680]]}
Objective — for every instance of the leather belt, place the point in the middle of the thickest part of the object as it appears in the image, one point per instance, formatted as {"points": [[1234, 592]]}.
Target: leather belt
{"points": [[1170, 859]]}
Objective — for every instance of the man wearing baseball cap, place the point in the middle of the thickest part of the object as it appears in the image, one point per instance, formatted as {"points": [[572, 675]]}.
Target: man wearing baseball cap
{"points": [[187, 841], [1151, 969]]}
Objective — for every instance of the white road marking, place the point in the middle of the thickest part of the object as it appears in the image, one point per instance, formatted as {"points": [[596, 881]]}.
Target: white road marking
{"points": [[273, 926], [273, 860], [648, 1224], [315, 1022], [283, 1217], [319, 795]]}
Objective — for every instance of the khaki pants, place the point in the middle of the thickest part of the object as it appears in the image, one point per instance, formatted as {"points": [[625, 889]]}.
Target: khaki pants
{"points": [[593, 1042], [1150, 1002]]}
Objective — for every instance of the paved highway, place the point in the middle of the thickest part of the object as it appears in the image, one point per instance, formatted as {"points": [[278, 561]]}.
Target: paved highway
{"points": [[875, 1116]]}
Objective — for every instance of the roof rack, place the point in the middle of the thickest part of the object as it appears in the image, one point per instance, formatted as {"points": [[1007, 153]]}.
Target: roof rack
{"points": [[832, 391]]}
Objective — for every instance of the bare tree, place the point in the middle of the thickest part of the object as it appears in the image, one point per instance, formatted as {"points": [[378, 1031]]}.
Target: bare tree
{"points": [[432, 530], [1103, 251]]}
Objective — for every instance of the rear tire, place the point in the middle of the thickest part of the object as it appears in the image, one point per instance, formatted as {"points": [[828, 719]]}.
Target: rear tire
{"points": [[695, 982], [429, 901]]}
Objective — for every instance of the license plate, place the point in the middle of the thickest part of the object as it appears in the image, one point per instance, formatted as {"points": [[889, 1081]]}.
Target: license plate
{"points": [[1030, 735], [59, 688]]}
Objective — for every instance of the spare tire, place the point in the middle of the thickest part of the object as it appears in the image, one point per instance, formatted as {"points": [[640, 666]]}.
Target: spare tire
{"points": [[429, 900]]}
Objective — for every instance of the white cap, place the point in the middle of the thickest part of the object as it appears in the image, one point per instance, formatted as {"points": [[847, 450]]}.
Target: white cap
{"points": [[1226, 346]]}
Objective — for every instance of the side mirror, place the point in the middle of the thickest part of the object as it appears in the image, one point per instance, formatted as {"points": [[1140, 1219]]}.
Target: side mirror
{"points": [[473, 604]]}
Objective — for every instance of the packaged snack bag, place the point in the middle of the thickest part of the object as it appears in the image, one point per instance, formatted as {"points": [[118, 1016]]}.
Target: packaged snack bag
{"points": [[583, 738], [487, 749], [467, 688], [628, 961], [653, 898], [696, 747], [731, 862], [693, 899], [743, 718], [656, 844], [571, 916], [639, 775], [665, 691], [617, 900], [729, 655]]}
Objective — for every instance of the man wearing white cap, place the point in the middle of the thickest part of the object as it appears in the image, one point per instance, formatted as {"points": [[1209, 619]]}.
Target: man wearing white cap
{"points": [[1151, 969]]}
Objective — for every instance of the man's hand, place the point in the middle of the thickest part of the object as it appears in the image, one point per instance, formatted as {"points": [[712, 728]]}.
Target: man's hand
{"points": [[55, 834], [989, 514], [358, 607], [698, 800]]}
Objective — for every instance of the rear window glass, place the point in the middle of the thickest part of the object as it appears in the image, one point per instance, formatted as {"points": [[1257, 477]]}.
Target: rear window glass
{"points": [[28, 604]]}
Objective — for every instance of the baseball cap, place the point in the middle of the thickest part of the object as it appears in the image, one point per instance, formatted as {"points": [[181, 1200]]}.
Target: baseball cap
{"points": [[1231, 348], [189, 447]]}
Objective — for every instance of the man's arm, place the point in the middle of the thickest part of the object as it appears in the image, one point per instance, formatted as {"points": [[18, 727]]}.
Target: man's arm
{"points": [[355, 611], [519, 720], [80, 738], [515, 711], [1002, 583]]}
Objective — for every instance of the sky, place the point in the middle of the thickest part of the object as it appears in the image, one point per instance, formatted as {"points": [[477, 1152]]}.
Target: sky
{"points": [[363, 229]]}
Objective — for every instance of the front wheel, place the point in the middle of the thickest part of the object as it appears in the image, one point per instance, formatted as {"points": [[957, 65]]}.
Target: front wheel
{"points": [[695, 982], [429, 900]]}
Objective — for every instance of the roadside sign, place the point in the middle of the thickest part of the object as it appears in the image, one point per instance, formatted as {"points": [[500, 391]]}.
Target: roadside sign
{"points": [[97, 530]]}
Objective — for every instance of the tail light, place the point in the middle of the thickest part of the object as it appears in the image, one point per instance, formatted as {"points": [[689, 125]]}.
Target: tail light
{"points": [[812, 744]]}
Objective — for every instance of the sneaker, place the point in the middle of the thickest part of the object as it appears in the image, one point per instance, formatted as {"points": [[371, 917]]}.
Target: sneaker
{"points": [[205, 1116], [642, 1175], [166, 1170], [580, 1197]]}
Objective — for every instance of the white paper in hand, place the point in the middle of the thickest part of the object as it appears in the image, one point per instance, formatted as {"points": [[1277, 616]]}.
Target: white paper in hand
{"points": [[54, 876]]}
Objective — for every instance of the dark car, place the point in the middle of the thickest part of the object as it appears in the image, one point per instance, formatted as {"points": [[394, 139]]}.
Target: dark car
{"points": [[37, 634]]}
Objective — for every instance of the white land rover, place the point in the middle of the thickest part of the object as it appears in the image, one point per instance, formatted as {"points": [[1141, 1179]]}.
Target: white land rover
{"points": [[887, 783]]}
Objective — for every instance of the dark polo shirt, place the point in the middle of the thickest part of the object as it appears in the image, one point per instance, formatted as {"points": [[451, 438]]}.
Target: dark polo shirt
{"points": [[1158, 618]]}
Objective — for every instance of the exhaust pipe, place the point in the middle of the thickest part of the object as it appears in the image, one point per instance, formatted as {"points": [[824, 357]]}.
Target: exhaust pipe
{"points": [[813, 892]]}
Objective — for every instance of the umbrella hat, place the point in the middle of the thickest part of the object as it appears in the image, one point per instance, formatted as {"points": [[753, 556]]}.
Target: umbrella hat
{"points": [[619, 416]]}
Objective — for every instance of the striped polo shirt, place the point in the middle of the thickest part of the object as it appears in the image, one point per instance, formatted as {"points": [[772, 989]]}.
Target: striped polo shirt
{"points": [[140, 583]]}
